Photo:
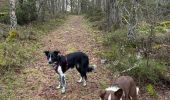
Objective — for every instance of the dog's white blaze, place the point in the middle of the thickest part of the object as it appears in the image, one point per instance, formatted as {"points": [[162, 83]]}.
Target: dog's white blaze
{"points": [[113, 88], [78, 66], [49, 60], [110, 97], [60, 71]]}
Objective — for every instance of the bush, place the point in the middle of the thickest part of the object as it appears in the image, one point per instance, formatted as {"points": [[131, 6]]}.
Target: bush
{"points": [[118, 36], [4, 18], [26, 12], [94, 14], [148, 74], [121, 56], [160, 29], [143, 73], [4, 29], [4, 12], [13, 55]]}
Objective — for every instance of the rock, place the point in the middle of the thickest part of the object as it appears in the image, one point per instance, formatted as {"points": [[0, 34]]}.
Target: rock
{"points": [[103, 61], [2, 34], [1, 31]]}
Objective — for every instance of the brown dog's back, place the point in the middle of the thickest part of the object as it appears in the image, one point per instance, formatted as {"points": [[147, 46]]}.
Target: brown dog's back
{"points": [[124, 88], [129, 87]]}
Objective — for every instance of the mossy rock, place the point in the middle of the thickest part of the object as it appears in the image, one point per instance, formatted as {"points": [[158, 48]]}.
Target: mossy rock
{"points": [[12, 34], [150, 89]]}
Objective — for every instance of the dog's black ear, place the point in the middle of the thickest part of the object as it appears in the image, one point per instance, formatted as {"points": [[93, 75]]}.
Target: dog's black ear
{"points": [[56, 52], [119, 93], [46, 53]]}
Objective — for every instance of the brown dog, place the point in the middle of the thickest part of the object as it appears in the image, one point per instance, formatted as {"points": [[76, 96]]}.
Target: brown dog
{"points": [[123, 89]]}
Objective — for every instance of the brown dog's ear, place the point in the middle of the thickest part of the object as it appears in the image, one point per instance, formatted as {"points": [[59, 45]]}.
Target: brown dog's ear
{"points": [[119, 93], [56, 52], [46, 53], [102, 93]]}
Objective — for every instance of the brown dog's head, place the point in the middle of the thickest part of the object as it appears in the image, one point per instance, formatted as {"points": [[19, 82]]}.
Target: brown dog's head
{"points": [[111, 93]]}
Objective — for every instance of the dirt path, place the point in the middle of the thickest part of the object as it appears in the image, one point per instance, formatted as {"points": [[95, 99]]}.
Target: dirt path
{"points": [[42, 81]]}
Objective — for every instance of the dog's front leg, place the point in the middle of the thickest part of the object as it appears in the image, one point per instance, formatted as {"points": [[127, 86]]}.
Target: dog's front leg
{"points": [[59, 79], [63, 84], [62, 79]]}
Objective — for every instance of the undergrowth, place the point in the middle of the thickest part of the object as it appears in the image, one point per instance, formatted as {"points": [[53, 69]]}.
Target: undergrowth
{"points": [[17, 48], [121, 55]]}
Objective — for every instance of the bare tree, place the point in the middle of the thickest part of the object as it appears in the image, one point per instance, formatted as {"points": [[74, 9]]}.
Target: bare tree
{"points": [[133, 21], [79, 7], [13, 18]]}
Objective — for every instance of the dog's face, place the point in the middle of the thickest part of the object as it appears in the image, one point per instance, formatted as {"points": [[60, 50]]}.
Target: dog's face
{"points": [[111, 95], [52, 56]]}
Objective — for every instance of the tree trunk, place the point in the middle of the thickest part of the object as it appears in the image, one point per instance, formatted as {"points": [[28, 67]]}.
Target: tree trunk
{"points": [[13, 18], [63, 6], [71, 3], [79, 6], [133, 22], [109, 14]]}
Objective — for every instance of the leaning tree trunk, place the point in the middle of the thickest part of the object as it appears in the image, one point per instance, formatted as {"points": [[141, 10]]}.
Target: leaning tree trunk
{"points": [[13, 18]]}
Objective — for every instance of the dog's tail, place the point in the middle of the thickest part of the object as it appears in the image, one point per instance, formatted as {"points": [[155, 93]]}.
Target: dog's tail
{"points": [[91, 68]]}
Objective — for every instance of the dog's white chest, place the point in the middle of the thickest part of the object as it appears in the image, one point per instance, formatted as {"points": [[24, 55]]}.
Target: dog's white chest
{"points": [[59, 70]]}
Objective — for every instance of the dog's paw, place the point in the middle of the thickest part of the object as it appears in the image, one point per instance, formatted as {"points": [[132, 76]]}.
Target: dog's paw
{"points": [[63, 90], [80, 81], [94, 68], [84, 84], [59, 87]]}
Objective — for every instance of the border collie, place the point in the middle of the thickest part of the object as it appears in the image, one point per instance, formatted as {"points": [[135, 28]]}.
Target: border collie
{"points": [[62, 63], [124, 88]]}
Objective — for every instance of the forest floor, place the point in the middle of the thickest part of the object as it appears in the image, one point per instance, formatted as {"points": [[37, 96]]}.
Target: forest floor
{"points": [[39, 80]]}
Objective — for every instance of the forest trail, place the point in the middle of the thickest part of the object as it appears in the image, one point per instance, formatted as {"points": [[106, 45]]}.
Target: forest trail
{"points": [[42, 80]]}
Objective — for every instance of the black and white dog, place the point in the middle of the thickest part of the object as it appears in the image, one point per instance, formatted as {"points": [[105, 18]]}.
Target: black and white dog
{"points": [[62, 63]]}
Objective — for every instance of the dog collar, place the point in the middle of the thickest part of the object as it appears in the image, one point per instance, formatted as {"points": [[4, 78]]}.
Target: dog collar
{"points": [[55, 66]]}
